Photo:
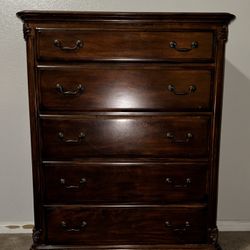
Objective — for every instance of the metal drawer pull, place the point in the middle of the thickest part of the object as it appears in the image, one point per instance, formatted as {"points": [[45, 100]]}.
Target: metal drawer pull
{"points": [[81, 182], [191, 89], [172, 182], [78, 90], [171, 136], [78, 45], [65, 227], [80, 138], [179, 228], [173, 45]]}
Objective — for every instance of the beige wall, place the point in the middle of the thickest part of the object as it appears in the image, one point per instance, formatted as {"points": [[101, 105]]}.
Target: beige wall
{"points": [[15, 164]]}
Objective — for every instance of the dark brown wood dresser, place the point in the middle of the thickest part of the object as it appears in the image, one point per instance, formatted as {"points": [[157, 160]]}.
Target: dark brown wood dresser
{"points": [[125, 113]]}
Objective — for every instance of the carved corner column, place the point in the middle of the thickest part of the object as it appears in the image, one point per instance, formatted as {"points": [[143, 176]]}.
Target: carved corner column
{"points": [[36, 238], [213, 238]]}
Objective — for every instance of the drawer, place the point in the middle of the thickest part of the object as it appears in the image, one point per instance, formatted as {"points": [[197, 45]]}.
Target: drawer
{"points": [[109, 182], [125, 225], [124, 88], [84, 45], [126, 136]]}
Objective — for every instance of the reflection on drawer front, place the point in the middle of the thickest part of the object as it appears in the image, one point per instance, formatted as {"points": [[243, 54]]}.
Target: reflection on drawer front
{"points": [[125, 225], [112, 87], [125, 115], [70, 45], [125, 136], [73, 183]]}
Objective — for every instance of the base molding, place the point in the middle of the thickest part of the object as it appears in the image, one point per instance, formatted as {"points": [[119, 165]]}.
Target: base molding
{"points": [[20, 227], [233, 225], [130, 247]]}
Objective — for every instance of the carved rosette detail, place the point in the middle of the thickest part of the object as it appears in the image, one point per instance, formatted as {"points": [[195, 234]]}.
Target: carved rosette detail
{"points": [[223, 33], [36, 235], [26, 31], [213, 234]]}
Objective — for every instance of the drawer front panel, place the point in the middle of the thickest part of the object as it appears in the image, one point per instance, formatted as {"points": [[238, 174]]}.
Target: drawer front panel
{"points": [[75, 45], [113, 88], [125, 225], [72, 183], [160, 136]]}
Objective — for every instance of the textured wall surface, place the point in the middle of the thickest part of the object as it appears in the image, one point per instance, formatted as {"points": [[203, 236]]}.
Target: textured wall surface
{"points": [[15, 164]]}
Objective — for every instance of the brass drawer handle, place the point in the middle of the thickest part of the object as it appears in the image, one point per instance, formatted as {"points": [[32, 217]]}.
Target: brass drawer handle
{"points": [[173, 183], [78, 90], [66, 228], [173, 139], [80, 138], [191, 89], [78, 45], [179, 228], [173, 45], [81, 182]]}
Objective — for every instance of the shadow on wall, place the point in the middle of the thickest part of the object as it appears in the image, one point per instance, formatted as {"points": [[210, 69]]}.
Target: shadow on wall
{"points": [[234, 185]]}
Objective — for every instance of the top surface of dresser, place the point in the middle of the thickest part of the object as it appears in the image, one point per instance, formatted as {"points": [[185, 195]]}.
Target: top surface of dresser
{"points": [[35, 15]]}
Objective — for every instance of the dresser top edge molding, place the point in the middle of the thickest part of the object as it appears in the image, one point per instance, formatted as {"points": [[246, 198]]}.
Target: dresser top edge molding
{"points": [[31, 15]]}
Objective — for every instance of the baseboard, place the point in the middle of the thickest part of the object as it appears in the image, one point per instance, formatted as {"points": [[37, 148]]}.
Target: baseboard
{"points": [[16, 227], [233, 225], [26, 227]]}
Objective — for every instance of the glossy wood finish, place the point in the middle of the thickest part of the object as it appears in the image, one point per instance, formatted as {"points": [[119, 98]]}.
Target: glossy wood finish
{"points": [[123, 182], [125, 225], [125, 124], [80, 16], [110, 44], [125, 87], [134, 247], [125, 136]]}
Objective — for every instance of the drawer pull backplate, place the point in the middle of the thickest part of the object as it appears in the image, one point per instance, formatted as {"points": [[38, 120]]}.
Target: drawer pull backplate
{"points": [[81, 182], [80, 138], [191, 89], [173, 139], [78, 90], [173, 183], [173, 45], [65, 227], [78, 45], [179, 228]]}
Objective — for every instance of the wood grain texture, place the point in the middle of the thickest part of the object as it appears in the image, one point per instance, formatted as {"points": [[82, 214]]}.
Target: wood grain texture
{"points": [[125, 113], [126, 225], [125, 88], [125, 136], [133, 247], [124, 183], [120, 45], [39, 15]]}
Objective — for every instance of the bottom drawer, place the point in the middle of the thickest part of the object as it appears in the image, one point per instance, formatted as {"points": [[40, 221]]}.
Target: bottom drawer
{"points": [[92, 225]]}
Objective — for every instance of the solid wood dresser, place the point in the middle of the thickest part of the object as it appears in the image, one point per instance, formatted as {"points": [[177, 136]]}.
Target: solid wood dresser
{"points": [[125, 113]]}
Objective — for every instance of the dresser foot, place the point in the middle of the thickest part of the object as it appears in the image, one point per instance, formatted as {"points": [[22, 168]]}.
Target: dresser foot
{"points": [[33, 247], [36, 237], [213, 236], [218, 247]]}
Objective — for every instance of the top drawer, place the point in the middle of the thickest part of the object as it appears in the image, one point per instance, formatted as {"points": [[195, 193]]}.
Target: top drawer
{"points": [[84, 45]]}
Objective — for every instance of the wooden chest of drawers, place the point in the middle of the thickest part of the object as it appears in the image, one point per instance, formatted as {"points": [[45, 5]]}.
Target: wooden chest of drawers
{"points": [[125, 113]]}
